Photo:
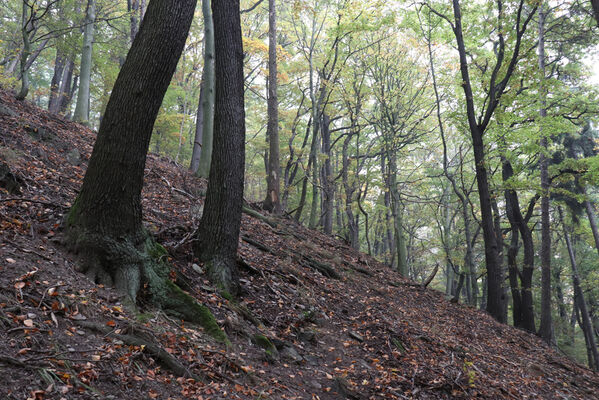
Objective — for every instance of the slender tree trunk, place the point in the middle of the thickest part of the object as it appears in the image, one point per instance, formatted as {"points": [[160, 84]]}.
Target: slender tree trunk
{"points": [[25, 52], [68, 87], [81, 113], [352, 228], [546, 327], [587, 326], [328, 186], [55, 84], [197, 142], [208, 103], [133, 9], [272, 202], [397, 212], [218, 234]]}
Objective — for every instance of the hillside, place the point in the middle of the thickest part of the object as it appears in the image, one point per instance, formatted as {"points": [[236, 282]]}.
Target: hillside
{"points": [[340, 324]]}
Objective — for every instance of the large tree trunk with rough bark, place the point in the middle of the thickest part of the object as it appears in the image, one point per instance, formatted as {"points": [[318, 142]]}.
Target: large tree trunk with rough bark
{"points": [[218, 235], [104, 224]]}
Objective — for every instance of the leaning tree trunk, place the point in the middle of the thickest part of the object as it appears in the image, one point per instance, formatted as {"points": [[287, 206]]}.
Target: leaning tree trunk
{"points": [[105, 222], [218, 235], [272, 202], [207, 101], [587, 326], [81, 113]]}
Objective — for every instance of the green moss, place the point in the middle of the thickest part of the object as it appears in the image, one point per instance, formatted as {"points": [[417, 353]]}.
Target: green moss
{"points": [[155, 250], [265, 343], [144, 317], [186, 307], [226, 295], [72, 215]]}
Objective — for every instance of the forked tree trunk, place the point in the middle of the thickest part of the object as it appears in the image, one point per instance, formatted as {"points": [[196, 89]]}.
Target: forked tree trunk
{"points": [[105, 222], [218, 235]]}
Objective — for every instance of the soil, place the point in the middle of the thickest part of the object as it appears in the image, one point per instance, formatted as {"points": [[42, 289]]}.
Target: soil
{"points": [[361, 332]]}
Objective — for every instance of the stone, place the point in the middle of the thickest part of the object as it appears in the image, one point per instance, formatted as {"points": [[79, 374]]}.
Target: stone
{"points": [[7, 111], [197, 269], [291, 354], [74, 157], [355, 335]]}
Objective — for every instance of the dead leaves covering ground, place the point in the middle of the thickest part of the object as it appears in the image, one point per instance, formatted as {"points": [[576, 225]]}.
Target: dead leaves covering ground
{"points": [[367, 335]]}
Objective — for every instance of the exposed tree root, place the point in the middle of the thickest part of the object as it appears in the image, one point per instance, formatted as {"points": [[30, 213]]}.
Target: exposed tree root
{"points": [[156, 351], [138, 268]]}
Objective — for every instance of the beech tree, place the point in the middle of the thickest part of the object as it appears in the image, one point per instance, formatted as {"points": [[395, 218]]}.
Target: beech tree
{"points": [[478, 122], [104, 224], [218, 235], [272, 202]]}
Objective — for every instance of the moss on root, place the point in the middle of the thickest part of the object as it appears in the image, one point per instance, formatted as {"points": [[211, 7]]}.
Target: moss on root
{"points": [[262, 341], [130, 264]]}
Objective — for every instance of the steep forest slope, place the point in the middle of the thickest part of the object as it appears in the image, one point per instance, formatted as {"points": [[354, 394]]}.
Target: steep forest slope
{"points": [[316, 319]]}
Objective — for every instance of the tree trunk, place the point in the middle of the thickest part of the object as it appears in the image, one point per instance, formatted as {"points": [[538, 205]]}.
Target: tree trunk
{"points": [[133, 9], [272, 202], [25, 52], [208, 103], [397, 213], [546, 327], [81, 113], [105, 222], [328, 186], [520, 281], [218, 234], [55, 84], [587, 326], [495, 298], [353, 234], [197, 141]]}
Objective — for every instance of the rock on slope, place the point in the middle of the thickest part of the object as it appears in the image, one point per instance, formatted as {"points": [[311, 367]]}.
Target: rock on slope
{"points": [[316, 319]]}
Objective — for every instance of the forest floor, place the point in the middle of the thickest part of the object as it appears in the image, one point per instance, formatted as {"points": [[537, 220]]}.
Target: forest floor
{"points": [[343, 324]]}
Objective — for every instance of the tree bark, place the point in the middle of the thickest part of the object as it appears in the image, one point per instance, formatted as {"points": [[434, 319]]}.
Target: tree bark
{"points": [[587, 326], [520, 281], [272, 202], [208, 102], [81, 113], [59, 66], [546, 327], [328, 186], [26, 28], [218, 235], [105, 221]]}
